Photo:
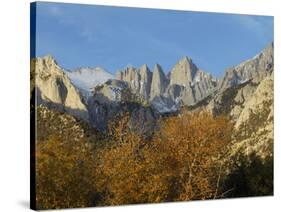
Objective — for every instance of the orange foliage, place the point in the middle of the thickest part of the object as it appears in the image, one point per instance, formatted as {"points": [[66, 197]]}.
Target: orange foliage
{"points": [[125, 176], [181, 162], [193, 146], [64, 174]]}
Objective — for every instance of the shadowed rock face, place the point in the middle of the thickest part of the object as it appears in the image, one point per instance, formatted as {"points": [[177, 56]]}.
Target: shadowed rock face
{"points": [[262, 99], [54, 88], [145, 81], [113, 99]]}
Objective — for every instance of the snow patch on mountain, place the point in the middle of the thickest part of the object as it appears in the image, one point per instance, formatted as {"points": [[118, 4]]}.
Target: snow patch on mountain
{"points": [[88, 78]]}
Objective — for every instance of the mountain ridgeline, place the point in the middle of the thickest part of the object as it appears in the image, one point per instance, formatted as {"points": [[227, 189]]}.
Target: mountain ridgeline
{"points": [[96, 96], [186, 84]]}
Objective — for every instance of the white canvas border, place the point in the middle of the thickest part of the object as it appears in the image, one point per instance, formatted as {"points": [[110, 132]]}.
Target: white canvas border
{"points": [[14, 111]]}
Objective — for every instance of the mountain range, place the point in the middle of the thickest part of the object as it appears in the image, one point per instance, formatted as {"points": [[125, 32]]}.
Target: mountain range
{"points": [[97, 96]]}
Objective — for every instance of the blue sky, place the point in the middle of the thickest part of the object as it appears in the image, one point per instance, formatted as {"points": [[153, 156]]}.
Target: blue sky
{"points": [[114, 37]]}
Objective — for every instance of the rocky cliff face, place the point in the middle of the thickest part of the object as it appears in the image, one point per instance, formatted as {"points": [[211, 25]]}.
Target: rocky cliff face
{"points": [[184, 85], [196, 83], [159, 82], [115, 98], [239, 83], [139, 80], [255, 69], [54, 88], [104, 103], [145, 81], [254, 125], [260, 101], [132, 76], [183, 72]]}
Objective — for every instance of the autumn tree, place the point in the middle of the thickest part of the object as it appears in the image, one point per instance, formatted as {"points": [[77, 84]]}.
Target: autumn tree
{"points": [[64, 174], [125, 175], [194, 146], [183, 161]]}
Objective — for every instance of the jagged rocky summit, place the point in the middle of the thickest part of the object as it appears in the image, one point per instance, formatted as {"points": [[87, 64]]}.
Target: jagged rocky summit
{"points": [[184, 85], [96, 96], [54, 89], [240, 82], [255, 69]]}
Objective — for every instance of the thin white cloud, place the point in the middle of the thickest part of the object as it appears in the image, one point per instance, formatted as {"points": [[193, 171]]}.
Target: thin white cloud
{"points": [[82, 26], [54, 10], [87, 33], [261, 26]]}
